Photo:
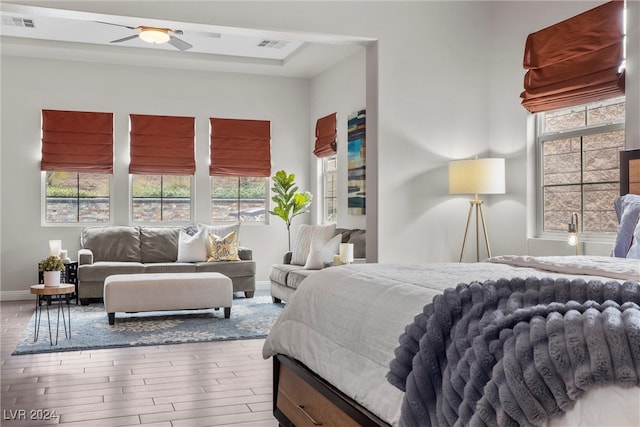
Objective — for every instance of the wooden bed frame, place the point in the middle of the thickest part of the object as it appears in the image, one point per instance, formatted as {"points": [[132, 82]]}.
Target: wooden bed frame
{"points": [[302, 398]]}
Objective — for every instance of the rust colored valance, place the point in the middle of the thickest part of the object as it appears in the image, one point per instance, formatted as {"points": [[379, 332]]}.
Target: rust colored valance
{"points": [[240, 147], [162, 145], [77, 141], [326, 134], [575, 61]]}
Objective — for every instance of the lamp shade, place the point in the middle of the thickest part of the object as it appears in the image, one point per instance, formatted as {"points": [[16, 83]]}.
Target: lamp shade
{"points": [[477, 176]]}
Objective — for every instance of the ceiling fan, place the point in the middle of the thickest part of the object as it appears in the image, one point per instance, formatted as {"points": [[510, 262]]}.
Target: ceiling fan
{"points": [[156, 35]]}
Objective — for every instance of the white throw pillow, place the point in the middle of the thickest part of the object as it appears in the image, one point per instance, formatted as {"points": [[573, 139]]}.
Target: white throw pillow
{"points": [[321, 252], [634, 250], [192, 248], [306, 234]]}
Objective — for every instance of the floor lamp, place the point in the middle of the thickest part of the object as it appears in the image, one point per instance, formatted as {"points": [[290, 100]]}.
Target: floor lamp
{"points": [[477, 176]]}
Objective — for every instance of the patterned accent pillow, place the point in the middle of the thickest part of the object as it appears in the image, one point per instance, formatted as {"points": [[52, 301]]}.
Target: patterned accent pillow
{"points": [[218, 230], [223, 248], [306, 234]]}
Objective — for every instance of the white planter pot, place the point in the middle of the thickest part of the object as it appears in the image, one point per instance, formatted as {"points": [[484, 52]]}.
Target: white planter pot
{"points": [[52, 278]]}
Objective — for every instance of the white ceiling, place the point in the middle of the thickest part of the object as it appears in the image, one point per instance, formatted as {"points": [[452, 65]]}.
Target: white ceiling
{"points": [[57, 33]]}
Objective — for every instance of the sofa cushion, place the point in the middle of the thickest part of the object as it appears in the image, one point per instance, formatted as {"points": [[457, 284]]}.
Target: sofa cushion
{"points": [[297, 276], [159, 244], [98, 271], [192, 248], [306, 233], [228, 268], [278, 272], [112, 243], [170, 267]]}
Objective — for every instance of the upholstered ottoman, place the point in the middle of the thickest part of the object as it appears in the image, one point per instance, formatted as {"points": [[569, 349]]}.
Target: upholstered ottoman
{"points": [[166, 291]]}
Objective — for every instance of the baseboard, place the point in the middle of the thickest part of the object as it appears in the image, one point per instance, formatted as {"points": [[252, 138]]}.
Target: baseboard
{"points": [[15, 295]]}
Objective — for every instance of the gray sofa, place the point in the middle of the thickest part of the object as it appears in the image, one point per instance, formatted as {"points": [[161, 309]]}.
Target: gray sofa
{"points": [[113, 250], [286, 277]]}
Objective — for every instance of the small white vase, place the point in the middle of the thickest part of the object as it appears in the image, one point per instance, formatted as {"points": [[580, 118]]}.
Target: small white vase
{"points": [[52, 278]]}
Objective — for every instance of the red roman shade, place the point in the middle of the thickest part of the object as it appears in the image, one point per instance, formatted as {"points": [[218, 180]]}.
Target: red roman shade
{"points": [[162, 145], [575, 61], [326, 134], [77, 141], [240, 147]]}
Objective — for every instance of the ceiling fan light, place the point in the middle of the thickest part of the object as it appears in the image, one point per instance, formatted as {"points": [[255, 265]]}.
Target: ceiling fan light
{"points": [[155, 36]]}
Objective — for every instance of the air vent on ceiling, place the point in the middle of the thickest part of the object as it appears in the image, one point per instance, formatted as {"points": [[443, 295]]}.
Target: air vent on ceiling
{"points": [[18, 22], [274, 44]]}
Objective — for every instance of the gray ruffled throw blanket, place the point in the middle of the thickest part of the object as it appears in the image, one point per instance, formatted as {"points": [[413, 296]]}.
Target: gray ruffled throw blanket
{"points": [[516, 352]]}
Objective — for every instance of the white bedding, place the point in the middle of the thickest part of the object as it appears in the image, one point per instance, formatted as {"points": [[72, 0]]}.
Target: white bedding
{"points": [[344, 322]]}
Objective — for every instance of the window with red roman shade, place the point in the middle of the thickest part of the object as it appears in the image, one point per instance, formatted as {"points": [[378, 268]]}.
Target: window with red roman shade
{"points": [[162, 145], [575, 61], [326, 134], [77, 141], [240, 147]]}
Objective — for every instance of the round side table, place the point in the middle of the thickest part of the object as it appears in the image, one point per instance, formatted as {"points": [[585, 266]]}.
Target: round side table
{"points": [[57, 293]]}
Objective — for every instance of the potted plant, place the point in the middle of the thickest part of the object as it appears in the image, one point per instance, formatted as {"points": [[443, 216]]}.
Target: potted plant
{"points": [[51, 268], [288, 201]]}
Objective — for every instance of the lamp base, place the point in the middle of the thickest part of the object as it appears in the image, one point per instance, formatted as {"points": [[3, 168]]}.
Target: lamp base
{"points": [[476, 205]]}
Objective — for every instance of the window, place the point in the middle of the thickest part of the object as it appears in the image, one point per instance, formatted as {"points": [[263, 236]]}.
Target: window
{"points": [[77, 163], [72, 197], [330, 189], [161, 198], [162, 163], [236, 198], [580, 170]]}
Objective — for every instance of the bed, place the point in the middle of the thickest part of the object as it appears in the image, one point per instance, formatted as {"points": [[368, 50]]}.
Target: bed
{"points": [[374, 344]]}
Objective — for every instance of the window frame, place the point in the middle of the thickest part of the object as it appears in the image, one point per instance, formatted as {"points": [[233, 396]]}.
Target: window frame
{"points": [[163, 223], [267, 201], [325, 173], [43, 205], [539, 139]]}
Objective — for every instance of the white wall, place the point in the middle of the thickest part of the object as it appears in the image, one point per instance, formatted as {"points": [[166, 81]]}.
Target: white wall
{"points": [[341, 90], [29, 85]]}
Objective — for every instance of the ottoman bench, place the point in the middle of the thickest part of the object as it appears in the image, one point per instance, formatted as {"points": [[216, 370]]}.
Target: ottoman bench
{"points": [[166, 291]]}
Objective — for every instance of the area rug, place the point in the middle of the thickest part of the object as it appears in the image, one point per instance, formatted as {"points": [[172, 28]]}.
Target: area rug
{"points": [[250, 318]]}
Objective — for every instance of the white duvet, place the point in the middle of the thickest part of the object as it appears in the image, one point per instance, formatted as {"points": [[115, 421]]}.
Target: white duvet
{"points": [[344, 323]]}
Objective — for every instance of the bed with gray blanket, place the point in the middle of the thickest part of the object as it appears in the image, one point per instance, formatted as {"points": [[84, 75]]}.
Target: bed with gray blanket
{"points": [[514, 340]]}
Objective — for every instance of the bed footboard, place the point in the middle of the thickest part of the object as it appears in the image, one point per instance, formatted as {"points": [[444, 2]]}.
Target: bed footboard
{"points": [[302, 398]]}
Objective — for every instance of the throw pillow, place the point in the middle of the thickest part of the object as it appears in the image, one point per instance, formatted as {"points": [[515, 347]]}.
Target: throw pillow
{"points": [[634, 250], [218, 230], [223, 248], [306, 234], [192, 248], [321, 252], [628, 211]]}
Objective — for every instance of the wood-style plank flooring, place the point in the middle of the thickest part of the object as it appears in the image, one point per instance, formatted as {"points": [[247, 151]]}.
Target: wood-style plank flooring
{"points": [[225, 383]]}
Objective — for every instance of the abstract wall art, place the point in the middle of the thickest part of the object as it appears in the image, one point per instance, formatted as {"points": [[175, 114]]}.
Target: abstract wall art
{"points": [[356, 155]]}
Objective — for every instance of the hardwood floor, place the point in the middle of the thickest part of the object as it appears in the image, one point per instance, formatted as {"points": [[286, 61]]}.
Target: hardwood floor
{"points": [[205, 384]]}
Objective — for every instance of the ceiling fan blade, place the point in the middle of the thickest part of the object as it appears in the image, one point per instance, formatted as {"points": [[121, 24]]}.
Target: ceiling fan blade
{"points": [[206, 34], [118, 25], [124, 39], [178, 43]]}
